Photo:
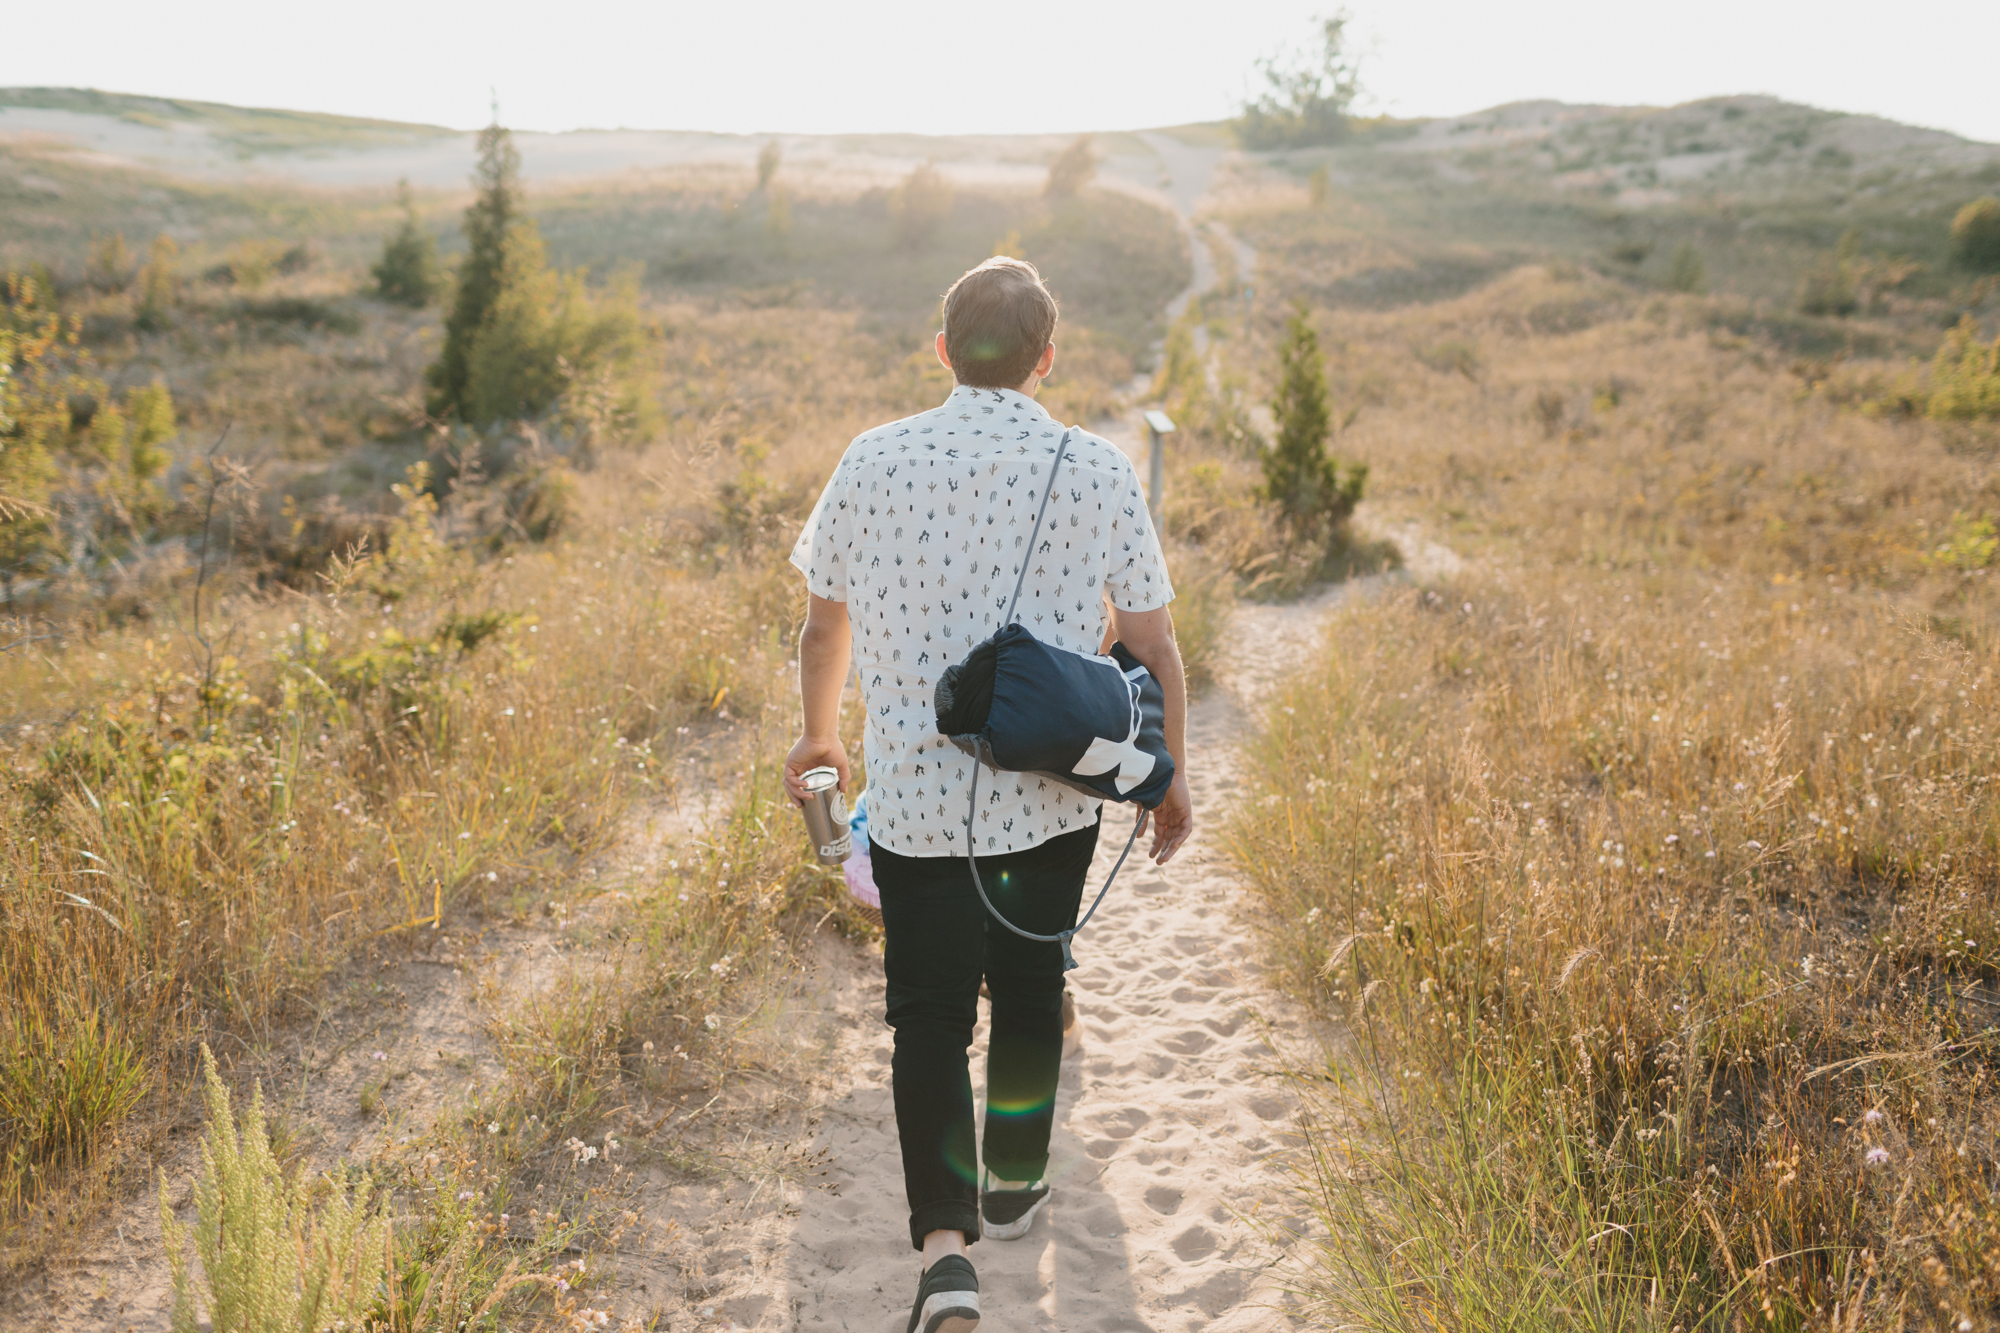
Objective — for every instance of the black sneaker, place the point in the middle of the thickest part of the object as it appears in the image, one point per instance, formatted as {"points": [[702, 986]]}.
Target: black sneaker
{"points": [[1007, 1214], [947, 1298]]}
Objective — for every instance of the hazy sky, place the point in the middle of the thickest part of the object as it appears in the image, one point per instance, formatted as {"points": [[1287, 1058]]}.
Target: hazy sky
{"points": [[1015, 65]]}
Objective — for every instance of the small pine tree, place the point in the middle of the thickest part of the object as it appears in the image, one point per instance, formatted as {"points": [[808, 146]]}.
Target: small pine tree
{"points": [[921, 204], [768, 158], [408, 272], [151, 411], [491, 221], [1300, 478], [159, 284], [1319, 186], [1965, 376], [1975, 236], [33, 417], [1072, 170], [1829, 287], [778, 214], [1687, 273], [520, 336], [110, 266]]}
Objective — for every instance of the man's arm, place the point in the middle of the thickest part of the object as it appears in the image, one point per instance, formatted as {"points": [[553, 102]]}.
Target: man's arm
{"points": [[824, 649], [1149, 637]]}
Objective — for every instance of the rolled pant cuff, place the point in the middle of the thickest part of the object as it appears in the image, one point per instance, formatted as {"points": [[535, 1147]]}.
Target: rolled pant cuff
{"points": [[950, 1215]]}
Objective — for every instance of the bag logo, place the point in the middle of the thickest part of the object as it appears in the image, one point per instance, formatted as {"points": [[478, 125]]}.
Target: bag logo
{"points": [[1134, 765]]}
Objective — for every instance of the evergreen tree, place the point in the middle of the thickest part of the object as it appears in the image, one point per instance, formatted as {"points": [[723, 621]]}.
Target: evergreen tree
{"points": [[1072, 170], [521, 338], [921, 204], [1299, 477], [408, 272], [1975, 236], [491, 247], [1829, 287], [159, 284], [1319, 186], [110, 265], [1687, 273]]}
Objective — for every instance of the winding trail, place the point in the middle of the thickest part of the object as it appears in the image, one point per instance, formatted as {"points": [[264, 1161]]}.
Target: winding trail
{"points": [[1170, 1120], [1168, 1156]]}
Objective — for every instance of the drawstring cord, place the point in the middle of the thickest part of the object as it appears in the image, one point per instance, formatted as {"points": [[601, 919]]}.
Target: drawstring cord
{"points": [[972, 809], [1063, 937]]}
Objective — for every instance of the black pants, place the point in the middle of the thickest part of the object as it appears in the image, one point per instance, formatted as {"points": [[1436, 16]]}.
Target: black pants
{"points": [[940, 943]]}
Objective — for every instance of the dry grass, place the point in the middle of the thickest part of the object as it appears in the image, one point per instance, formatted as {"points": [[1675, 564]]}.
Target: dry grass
{"points": [[217, 802], [1650, 868], [191, 843]]}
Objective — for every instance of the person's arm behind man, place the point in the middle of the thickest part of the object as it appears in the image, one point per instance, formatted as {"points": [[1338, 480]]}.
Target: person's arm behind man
{"points": [[824, 649], [1149, 637]]}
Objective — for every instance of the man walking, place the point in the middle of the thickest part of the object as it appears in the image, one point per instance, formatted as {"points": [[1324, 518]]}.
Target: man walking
{"points": [[909, 560]]}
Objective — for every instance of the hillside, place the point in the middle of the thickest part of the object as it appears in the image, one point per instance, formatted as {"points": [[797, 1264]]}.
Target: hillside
{"points": [[1618, 769]]}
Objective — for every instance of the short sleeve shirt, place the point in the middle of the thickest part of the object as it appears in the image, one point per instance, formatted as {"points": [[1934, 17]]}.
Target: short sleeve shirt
{"points": [[922, 531]]}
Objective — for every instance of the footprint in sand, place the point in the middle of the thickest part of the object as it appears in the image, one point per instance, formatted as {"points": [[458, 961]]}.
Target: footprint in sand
{"points": [[1122, 1123], [1194, 1244]]}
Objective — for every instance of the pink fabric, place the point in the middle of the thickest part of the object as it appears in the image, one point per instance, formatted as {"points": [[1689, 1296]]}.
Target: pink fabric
{"points": [[860, 872]]}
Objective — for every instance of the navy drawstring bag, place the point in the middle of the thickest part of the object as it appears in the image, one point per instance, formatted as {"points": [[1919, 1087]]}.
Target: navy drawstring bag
{"points": [[1093, 723]]}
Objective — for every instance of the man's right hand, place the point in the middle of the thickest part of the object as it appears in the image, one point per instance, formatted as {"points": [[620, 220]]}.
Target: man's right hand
{"points": [[1173, 820], [810, 754]]}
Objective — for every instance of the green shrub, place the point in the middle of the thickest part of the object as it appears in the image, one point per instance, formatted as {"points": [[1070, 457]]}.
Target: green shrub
{"points": [[1072, 170], [249, 264], [307, 312], [277, 1255], [1975, 236], [921, 204], [66, 1077], [1829, 287], [1965, 376], [1451, 357], [159, 284], [541, 502], [66, 441], [408, 273], [491, 226], [1319, 186], [1969, 545], [520, 334], [1306, 97], [110, 266], [1687, 273], [778, 213], [768, 158], [549, 332]]}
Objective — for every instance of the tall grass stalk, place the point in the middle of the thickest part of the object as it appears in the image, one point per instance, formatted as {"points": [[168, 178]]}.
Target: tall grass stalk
{"points": [[278, 1254]]}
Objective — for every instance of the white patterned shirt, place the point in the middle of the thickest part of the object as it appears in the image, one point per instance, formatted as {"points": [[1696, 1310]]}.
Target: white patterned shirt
{"points": [[921, 531]]}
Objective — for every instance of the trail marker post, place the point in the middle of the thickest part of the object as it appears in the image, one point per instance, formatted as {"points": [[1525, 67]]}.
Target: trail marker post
{"points": [[1158, 426]]}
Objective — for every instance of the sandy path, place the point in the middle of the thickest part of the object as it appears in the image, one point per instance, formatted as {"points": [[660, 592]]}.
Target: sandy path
{"points": [[1165, 1120], [1170, 1119]]}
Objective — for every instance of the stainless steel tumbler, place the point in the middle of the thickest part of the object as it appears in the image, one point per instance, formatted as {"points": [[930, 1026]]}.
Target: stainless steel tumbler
{"points": [[826, 815]]}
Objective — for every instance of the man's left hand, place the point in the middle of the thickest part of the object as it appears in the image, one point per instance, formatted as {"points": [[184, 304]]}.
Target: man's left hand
{"points": [[1173, 820]]}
